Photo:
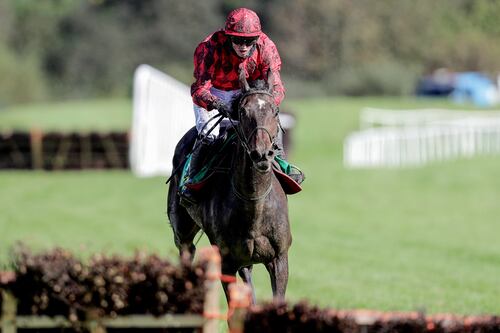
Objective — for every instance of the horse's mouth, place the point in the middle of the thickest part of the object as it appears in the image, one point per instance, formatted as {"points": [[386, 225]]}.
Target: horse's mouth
{"points": [[263, 166]]}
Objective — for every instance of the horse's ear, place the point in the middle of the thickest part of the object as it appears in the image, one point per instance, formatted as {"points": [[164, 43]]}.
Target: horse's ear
{"points": [[270, 80], [245, 87]]}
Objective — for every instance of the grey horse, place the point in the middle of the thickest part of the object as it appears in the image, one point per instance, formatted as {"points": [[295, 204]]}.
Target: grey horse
{"points": [[245, 212]]}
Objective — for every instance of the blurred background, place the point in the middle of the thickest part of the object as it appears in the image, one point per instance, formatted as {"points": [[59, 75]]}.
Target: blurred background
{"points": [[422, 236], [65, 49]]}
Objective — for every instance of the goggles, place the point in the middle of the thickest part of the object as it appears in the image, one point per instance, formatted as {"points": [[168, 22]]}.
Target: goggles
{"points": [[248, 41]]}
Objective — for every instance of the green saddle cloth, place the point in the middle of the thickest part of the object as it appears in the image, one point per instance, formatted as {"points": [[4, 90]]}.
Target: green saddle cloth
{"points": [[199, 179]]}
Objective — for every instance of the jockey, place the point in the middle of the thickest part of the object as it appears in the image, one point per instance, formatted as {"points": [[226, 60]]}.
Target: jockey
{"points": [[217, 60]]}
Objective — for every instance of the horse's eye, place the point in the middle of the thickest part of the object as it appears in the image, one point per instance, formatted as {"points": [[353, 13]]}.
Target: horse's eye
{"points": [[243, 112]]}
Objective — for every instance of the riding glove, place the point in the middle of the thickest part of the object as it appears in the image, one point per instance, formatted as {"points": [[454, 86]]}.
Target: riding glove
{"points": [[222, 107]]}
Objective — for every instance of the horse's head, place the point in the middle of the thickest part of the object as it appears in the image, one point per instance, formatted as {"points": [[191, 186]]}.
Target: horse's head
{"points": [[258, 122]]}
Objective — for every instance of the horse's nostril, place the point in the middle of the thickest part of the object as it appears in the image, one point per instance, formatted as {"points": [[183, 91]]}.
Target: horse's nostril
{"points": [[255, 155], [270, 153]]}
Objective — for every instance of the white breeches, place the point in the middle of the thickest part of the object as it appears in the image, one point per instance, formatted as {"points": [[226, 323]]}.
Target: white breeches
{"points": [[202, 115]]}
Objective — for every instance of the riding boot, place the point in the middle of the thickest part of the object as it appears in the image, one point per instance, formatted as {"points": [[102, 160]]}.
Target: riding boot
{"points": [[291, 170], [196, 162]]}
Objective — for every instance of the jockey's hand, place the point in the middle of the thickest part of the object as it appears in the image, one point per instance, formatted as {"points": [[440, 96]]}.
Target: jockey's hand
{"points": [[223, 108]]}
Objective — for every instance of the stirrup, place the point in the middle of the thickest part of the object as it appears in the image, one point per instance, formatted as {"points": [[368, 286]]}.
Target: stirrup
{"points": [[296, 174], [298, 177], [290, 170]]}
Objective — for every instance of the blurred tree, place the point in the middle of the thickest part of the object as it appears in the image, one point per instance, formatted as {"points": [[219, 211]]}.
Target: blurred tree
{"points": [[5, 21], [114, 37], [22, 80], [90, 48], [35, 23], [22, 77], [257, 6], [308, 34], [485, 15]]}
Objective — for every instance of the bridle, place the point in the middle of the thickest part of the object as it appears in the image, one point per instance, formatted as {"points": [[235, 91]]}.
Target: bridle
{"points": [[244, 141]]}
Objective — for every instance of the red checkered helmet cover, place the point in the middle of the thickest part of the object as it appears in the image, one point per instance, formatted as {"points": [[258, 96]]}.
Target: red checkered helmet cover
{"points": [[242, 22]]}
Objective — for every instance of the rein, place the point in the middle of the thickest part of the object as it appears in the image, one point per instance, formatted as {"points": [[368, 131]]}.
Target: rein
{"points": [[198, 142]]}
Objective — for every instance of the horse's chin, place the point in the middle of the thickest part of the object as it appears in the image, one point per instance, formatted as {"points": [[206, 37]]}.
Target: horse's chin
{"points": [[263, 166]]}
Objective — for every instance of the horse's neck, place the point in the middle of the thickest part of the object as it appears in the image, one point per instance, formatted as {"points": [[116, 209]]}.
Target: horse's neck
{"points": [[247, 181]]}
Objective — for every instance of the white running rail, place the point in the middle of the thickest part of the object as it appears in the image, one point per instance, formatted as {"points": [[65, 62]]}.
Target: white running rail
{"points": [[418, 137]]}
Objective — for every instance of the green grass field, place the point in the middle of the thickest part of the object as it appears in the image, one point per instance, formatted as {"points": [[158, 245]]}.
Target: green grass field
{"points": [[415, 238]]}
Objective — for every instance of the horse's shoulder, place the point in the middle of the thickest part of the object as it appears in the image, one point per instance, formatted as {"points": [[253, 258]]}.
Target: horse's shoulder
{"points": [[184, 145], [188, 138]]}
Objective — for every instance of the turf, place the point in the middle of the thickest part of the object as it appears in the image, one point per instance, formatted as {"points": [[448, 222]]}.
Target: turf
{"points": [[414, 238]]}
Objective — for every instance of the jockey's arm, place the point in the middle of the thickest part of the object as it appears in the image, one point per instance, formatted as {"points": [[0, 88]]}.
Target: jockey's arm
{"points": [[272, 61], [203, 70], [278, 89]]}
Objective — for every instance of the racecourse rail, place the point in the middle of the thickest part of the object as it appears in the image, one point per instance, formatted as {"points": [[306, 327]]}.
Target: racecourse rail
{"points": [[400, 138]]}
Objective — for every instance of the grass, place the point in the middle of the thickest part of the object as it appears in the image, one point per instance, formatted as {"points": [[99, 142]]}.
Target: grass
{"points": [[86, 211], [415, 238]]}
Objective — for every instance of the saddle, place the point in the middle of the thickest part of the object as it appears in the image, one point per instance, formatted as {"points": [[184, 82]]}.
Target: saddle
{"points": [[219, 161]]}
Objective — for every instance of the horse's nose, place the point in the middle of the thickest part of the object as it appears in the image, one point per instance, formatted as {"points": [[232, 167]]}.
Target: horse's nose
{"points": [[256, 156], [270, 154]]}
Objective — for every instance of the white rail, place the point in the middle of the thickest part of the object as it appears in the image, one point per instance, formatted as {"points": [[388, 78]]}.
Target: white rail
{"points": [[415, 138]]}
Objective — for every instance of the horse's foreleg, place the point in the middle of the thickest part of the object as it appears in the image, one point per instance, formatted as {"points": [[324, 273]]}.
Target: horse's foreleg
{"points": [[278, 272], [246, 275], [227, 270], [185, 230], [187, 251], [185, 243]]}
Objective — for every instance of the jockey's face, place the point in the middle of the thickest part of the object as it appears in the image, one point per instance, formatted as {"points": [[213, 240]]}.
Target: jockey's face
{"points": [[243, 45]]}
